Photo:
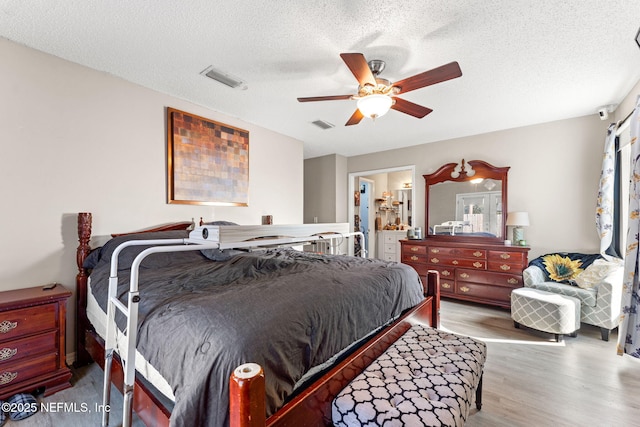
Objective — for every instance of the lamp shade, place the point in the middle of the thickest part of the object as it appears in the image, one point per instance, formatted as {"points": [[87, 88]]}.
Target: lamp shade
{"points": [[518, 219], [375, 105]]}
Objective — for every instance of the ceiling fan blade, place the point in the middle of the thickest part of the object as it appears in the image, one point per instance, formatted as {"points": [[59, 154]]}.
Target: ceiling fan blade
{"points": [[410, 108], [355, 118], [446, 72], [324, 98], [359, 67]]}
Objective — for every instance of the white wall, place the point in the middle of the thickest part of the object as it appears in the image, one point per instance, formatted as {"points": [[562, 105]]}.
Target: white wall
{"points": [[554, 175], [78, 140]]}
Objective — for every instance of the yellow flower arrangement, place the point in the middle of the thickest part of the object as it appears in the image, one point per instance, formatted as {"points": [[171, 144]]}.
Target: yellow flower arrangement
{"points": [[561, 268]]}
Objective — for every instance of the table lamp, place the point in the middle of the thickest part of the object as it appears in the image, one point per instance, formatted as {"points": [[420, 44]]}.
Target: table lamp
{"points": [[517, 220]]}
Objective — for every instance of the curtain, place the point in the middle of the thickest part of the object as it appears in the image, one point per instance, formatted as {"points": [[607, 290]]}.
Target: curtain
{"points": [[605, 209], [629, 330]]}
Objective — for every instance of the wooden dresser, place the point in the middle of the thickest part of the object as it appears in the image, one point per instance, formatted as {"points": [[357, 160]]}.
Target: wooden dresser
{"points": [[484, 272], [32, 340]]}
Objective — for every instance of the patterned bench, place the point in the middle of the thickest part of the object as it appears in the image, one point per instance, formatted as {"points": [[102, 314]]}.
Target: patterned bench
{"points": [[426, 378]]}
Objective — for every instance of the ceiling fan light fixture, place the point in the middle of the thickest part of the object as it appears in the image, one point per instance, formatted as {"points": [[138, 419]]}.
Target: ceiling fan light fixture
{"points": [[375, 105]]}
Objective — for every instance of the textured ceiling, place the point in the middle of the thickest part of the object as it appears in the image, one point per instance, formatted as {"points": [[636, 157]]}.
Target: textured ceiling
{"points": [[523, 62]]}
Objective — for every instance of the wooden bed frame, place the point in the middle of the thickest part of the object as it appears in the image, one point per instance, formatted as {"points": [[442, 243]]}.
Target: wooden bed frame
{"points": [[311, 407]]}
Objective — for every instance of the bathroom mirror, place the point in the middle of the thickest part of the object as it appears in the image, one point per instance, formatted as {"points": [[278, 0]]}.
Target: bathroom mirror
{"points": [[466, 201]]}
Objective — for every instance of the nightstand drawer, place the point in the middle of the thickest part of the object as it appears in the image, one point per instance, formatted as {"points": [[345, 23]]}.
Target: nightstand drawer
{"points": [[21, 370], [26, 321], [11, 351]]}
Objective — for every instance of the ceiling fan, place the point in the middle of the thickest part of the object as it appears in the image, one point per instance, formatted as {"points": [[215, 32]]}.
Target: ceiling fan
{"points": [[377, 95]]}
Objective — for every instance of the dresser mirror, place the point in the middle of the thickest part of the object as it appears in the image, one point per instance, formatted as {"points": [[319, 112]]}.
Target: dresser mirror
{"points": [[467, 201]]}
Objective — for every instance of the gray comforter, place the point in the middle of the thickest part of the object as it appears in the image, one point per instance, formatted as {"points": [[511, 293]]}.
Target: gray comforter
{"points": [[285, 310]]}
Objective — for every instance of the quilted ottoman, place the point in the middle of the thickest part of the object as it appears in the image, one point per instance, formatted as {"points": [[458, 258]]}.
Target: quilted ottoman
{"points": [[427, 377], [545, 311]]}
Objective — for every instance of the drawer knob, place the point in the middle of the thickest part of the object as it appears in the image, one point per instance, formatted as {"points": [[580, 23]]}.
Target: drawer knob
{"points": [[505, 256], [477, 254], [7, 353], [435, 250], [445, 285], [465, 289], [414, 248], [7, 326], [455, 262], [512, 280], [414, 258], [464, 275], [435, 260], [7, 377], [505, 267], [477, 264], [446, 273]]}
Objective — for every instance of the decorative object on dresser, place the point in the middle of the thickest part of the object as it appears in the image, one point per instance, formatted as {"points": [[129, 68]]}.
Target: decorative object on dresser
{"points": [[470, 255], [518, 220], [32, 340]]}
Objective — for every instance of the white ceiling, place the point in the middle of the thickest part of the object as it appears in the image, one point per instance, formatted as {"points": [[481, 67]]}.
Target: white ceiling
{"points": [[523, 61]]}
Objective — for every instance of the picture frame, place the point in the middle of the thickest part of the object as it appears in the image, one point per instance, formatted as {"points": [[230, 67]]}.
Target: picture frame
{"points": [[207, 161]]}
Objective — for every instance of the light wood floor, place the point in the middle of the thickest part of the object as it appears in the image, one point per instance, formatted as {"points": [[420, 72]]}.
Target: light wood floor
{"points": [[529, 379]]}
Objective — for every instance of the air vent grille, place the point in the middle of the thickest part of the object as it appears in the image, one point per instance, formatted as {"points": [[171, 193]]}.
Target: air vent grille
{"points": [[224, 78], [323, 124]]}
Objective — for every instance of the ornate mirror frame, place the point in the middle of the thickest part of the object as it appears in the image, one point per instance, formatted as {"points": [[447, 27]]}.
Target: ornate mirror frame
{"points": [[461, 172]]}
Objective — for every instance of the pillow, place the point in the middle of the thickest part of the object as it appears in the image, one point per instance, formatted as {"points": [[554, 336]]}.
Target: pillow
{"points": [[561, 268], [126, 257], [25, 404], [596, 272]]}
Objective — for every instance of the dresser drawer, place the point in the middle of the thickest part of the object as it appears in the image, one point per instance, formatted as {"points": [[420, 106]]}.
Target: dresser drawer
{"points": [[457, 262], [11, 351], [490, 278], [510, 257], [486, 292], [390, 248], [447, 278], [414, 249], [505, 267], [458, 252], [393, 237], [26, 321], [18, 371], [413, 258]]}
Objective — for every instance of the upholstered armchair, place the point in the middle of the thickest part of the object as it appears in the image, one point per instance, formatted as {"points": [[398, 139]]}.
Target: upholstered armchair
{"points": [[596, 282]]}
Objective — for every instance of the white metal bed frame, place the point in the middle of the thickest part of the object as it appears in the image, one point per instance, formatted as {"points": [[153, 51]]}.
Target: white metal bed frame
{"points": [[202, 237]]}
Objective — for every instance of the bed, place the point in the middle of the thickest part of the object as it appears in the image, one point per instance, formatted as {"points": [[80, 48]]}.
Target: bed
{"points": [[307, 358]]}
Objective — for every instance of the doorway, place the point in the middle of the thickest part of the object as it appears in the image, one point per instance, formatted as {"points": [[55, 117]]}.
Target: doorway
{"points": [[366, 215], [356, 202]]}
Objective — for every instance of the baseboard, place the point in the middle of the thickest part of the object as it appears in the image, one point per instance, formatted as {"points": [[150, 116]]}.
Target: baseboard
{"points": [[70, 358]]}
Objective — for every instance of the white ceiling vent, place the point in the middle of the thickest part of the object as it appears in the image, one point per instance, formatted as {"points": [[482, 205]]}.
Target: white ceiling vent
{"points": [[323, 124], [224, 78]]}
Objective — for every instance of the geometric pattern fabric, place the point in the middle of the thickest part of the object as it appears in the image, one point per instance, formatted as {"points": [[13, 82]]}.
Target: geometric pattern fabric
{"points": [[605, 313], [545, 311], [426, 378]]}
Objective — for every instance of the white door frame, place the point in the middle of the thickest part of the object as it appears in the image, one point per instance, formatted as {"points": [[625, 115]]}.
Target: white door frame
{"points": [[351, 192]]}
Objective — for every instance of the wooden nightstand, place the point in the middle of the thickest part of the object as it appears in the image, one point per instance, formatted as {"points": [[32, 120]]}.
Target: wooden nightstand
{"points": [[32, 340]]}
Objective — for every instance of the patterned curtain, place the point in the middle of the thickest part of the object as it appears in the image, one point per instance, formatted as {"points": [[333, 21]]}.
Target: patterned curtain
{"points": [[605, 208], [629, 331]]}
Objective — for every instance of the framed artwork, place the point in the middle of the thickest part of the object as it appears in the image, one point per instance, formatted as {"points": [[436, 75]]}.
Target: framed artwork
{"points": [[207, 161]]}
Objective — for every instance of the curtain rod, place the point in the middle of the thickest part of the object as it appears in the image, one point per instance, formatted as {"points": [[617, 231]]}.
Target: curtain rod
{"points": [[624, 123]]}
